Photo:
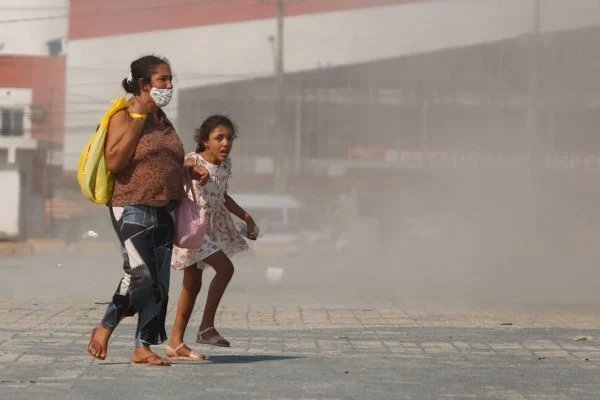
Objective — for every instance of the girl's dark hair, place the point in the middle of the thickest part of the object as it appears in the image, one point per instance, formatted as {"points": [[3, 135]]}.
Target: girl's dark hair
{"points": [[209, 125], [143, 67]]}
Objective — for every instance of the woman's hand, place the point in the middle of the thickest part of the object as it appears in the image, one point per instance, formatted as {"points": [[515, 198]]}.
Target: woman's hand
{"points": [[137, 106], [200, 174], [251, 228]]}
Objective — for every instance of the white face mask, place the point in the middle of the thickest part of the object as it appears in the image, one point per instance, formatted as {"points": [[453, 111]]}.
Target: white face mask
{"points": [[161, 97]]}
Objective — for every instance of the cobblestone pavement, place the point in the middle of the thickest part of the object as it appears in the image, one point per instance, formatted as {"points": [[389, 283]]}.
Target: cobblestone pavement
{"points": [[310, 352], [315, 336]]}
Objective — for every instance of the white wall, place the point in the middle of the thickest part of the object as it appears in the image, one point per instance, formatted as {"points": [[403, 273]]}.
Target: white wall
{"points": [[10, 203], [17, 98], [221, 53], [559, 15], [28, 24]]}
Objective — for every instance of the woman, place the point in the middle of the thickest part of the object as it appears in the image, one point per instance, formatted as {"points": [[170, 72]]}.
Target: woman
{"points": [[144, 152]]}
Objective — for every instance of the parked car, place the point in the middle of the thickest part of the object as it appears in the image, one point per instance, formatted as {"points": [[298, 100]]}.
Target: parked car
{"points": [[286, 230], [276, 216]]}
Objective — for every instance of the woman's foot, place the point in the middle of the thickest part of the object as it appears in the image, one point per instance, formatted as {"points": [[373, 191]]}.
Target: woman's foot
{"points": [[98, 345], [143, 355], [183, 352], [211, 336]]}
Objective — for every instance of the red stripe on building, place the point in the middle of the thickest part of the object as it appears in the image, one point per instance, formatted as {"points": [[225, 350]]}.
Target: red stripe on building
{"points": [[91, 19], [45, 76]]}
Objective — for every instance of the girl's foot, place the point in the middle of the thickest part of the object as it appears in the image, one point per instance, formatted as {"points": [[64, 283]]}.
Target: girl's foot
{"points": [[98, 345], [183, 352], [143, 355], [211, 336]]}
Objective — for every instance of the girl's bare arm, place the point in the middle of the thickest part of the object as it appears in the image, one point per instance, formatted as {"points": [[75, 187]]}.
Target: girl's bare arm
{"points": [[239, 212], [235, 209]]}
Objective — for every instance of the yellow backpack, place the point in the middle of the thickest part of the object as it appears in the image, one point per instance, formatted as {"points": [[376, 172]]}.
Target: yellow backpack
{"points": [[94, 178]]}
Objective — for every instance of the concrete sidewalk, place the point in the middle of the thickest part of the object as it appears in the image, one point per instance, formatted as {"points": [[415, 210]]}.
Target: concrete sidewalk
{"points": [[42, 247], [310, 352]]}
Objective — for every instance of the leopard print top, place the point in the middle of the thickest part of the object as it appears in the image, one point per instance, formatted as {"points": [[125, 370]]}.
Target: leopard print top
{"points": [[156, 170]]}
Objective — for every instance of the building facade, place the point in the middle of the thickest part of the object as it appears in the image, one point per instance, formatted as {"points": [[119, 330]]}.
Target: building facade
{"points": [[402, 105], [32, 95]]}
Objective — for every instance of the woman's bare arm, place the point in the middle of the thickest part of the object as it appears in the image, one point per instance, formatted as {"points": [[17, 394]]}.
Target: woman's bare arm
{"points": [[122, 138]]}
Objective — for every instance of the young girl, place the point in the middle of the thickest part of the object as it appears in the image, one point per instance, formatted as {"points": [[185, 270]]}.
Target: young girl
{"points": [[215, 140]]}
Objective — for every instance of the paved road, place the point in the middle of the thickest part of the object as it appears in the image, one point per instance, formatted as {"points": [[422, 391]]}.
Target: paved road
{"points": [[310, 353], [290, 344]]}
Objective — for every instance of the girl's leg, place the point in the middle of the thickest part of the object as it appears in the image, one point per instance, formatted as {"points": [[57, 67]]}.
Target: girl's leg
{"points": [[192, 282], [224, 272]]}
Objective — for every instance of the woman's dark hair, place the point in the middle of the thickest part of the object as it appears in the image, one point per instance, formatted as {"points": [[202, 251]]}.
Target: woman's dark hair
{"points": [[143, 67], [209, 125]]}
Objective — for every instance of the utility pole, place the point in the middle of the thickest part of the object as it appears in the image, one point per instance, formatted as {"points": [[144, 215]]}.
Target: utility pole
{"points": [[532, 104], [280, 17], [49, 167], [279, 139], [534, 141]]}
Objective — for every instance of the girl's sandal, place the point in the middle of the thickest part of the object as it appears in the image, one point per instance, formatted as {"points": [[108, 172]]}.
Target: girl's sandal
{"points": [[172, 354], [215, 340]]}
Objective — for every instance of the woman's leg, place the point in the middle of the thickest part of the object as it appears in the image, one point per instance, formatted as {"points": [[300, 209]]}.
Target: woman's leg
{"points": [[98, 345], [100, 335], [146, 235], [156, 250], [192, 282], [224, 272]]}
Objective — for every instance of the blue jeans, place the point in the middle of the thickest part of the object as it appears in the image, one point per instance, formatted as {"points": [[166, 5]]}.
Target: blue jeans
{"points": [[146, 236]]}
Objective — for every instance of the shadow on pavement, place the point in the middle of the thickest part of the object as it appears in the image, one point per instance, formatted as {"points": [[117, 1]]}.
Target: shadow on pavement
{"points": [[236, 359]]}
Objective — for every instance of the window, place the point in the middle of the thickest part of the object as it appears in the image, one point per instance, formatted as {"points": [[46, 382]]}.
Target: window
{"points": [[11, 122]]}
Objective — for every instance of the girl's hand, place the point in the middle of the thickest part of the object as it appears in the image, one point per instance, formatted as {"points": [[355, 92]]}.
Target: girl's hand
{"points": [[251, 228], [200, 174]]}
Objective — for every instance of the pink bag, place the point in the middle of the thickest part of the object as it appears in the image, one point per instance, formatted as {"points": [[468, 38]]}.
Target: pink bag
{"points": [[191, 222]]}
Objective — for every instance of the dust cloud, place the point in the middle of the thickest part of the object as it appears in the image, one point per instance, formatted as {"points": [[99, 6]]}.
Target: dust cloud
{"points": [[460, 175]]}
